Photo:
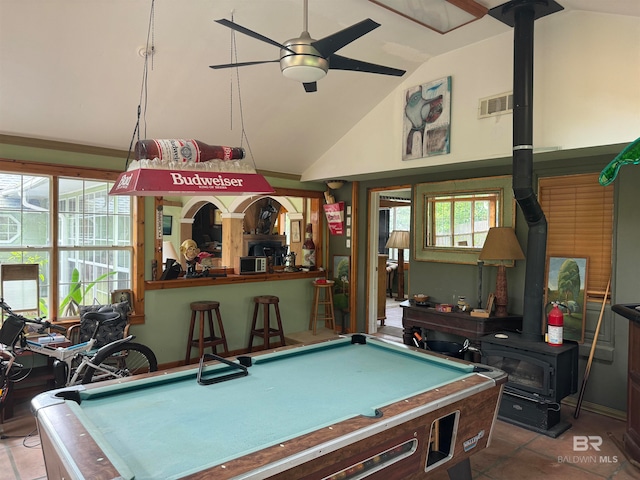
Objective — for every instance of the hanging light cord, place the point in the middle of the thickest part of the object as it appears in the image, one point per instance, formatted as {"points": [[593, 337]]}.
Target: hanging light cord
{"points": [[243, 133], [149, 51]]}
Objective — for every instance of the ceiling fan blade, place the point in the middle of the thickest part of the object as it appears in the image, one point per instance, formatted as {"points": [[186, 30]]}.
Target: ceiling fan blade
{"points": [[251, 33], [242, 64], [310, 87], [332, 43], [337, 62]]}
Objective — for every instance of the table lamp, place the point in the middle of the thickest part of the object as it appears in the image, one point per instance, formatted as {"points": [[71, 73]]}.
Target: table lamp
{"points": [[399, 239], [169, 252], [171, 261], [501, 245]]}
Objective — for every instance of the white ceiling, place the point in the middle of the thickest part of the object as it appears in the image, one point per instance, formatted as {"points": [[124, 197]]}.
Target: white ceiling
{"points": [[70, 71]]}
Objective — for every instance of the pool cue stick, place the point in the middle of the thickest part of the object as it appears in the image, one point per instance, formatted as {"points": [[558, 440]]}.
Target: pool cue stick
{"points": [[593, 350]]}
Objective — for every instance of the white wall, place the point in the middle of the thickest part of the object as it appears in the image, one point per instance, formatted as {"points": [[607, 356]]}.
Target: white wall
{"points": [[586, 94]]}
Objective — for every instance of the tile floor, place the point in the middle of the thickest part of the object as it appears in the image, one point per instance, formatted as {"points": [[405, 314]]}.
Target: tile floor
{"points": [[514, 454], [394, 315]]}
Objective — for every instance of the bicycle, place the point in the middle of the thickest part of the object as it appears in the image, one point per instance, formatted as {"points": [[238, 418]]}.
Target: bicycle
{"points": [[73, 365]]}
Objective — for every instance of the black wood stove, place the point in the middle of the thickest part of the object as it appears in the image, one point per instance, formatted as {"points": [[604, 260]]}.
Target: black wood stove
{"points": [[540, 375]]}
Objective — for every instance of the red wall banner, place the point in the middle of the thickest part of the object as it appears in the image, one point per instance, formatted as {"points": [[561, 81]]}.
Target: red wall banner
{"points": [[335, 217]]}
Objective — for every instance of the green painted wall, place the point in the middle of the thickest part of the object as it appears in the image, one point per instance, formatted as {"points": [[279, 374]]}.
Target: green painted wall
{"points": [[167, 312], [443, 282]]}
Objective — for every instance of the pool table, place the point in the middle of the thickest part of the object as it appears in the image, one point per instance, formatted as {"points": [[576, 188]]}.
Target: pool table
{"points": [[351, 407]]}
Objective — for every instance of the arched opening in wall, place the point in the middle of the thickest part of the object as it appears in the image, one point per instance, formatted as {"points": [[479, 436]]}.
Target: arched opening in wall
{"points": [[264, 217], [294, 210], [266, 230], [206, 229], [201, 221]]}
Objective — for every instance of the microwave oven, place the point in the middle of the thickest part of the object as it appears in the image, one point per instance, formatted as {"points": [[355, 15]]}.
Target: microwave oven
{"points": [[249, 265]]}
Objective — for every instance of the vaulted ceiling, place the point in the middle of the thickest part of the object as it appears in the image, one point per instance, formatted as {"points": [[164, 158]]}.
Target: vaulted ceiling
{"points": [[74, 71]]}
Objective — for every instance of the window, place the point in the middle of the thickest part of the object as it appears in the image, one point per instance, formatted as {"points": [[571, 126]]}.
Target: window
{"points": [[399, 219], [452, 218], [394, 213], [461, 220], [579, 215], [87, 254]]}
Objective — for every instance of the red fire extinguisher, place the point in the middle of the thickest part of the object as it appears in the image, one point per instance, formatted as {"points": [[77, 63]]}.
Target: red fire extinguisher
{"points": [[555, 323]]}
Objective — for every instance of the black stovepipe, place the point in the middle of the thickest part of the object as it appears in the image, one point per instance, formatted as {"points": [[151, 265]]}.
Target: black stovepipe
{"points": [[533, 308]]}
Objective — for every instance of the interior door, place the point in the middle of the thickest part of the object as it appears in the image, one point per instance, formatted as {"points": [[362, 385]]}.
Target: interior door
{"points": [[378, 235]]}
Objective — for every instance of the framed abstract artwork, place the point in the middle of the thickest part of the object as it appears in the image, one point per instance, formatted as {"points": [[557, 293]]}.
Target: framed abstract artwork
{"points": [[426, 123]]}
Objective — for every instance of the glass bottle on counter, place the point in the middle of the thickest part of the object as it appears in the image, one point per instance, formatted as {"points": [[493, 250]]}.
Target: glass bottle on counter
{"points": [[309, 249], [179, 150]]}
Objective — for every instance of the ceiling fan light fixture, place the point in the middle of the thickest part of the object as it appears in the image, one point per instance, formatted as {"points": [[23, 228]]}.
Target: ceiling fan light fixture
{"points": [[335, 184], [304, 73], [306, 65], [307, 60]]}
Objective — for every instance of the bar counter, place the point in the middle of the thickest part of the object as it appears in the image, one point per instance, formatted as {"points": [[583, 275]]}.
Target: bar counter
{"points": [[230, 279]]}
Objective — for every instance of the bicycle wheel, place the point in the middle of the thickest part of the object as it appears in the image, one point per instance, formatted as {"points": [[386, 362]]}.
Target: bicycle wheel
{"points": [[120, 361], [6, 386]]}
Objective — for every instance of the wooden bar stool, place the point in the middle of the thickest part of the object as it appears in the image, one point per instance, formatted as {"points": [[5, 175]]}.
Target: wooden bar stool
{"points": [[322, 297], [202, 342], [266, 332]]}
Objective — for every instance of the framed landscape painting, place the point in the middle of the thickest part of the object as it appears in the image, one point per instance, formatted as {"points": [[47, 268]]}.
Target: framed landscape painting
{"points": [[341, 273], [566, 285]]}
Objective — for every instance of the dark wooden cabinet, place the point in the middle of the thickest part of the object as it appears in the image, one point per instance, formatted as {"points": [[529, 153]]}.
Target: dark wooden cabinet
{"points": [[632, 436], [455, 323]]}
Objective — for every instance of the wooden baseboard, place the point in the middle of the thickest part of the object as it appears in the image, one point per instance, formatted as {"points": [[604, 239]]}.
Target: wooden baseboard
{"points": [[596, 408]]}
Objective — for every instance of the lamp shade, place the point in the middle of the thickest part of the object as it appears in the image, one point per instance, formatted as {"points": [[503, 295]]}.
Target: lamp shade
{"points": [[398, 239], [168, 251], [501, 244]]}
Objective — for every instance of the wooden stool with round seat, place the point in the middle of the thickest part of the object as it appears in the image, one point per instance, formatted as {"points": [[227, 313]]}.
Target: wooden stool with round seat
{"points": [[322, 297], [205, 307], [266, 332]]}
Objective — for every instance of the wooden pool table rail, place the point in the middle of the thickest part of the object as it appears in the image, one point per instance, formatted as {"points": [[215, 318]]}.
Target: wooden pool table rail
{"points": [[335, 447]]}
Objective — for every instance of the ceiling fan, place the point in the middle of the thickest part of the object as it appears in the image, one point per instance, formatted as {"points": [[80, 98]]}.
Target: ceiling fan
{"points": [[307, 60]]}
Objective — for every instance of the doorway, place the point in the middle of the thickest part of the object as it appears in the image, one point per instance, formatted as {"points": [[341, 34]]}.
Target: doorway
{"points": [[389, 209]]}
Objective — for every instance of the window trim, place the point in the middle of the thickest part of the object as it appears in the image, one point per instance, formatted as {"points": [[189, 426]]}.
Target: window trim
{"points": [[55, 171], [506, 216], [491, 196]]}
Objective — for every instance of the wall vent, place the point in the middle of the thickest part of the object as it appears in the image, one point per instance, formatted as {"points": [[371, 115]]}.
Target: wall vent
{"points": [[495, 105]]}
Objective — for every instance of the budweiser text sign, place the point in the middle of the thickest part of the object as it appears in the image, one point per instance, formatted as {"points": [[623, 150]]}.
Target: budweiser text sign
{"points": [[156, 182]]}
